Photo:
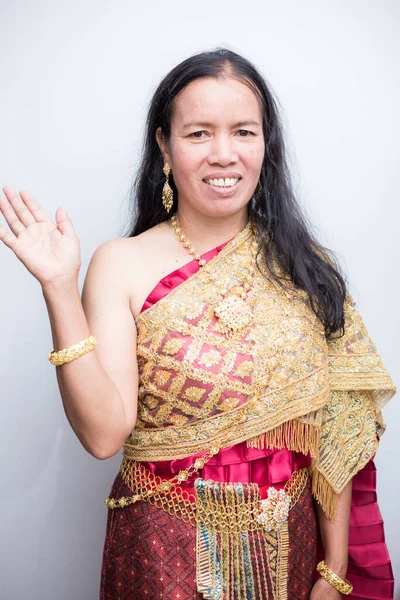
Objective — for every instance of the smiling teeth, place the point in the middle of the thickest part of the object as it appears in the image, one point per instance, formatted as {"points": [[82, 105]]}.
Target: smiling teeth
{"points": [[228, 182]]}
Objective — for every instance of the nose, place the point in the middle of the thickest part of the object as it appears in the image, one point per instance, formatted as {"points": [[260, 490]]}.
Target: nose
{"points": [[222, 150]]}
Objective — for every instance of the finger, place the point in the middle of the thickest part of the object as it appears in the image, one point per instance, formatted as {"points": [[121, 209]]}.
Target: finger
{"points": [[64, 223], [22, 211], [39, 214], [9, 214], [7, 238]]}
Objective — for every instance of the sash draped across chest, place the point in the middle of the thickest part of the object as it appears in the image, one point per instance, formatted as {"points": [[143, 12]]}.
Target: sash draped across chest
{"points": [[240, 462], [277, 383]]}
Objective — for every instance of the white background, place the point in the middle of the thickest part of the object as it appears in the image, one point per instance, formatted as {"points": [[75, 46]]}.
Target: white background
{"points": [[76, 79]]}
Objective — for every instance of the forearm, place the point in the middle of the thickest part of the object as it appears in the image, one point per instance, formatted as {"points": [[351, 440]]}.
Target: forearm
{"points": [[335, 535], [92, 403]]}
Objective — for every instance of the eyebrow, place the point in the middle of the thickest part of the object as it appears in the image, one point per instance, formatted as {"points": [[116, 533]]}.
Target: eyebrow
{"points": [[204, 124]]}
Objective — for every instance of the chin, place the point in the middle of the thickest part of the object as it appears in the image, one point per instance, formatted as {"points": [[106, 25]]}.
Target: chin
{"points": [[222, 209]]}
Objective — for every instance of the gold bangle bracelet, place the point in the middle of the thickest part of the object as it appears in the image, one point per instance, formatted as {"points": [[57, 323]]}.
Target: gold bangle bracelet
{"points": [[341, 585], [67, 354]]}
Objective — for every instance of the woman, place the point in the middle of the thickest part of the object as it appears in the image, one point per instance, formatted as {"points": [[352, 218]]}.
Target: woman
{"points": [[218, 344]]}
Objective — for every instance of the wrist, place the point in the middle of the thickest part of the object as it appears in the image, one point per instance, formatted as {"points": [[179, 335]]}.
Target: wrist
{"points": [[337, 564], [63, 285], [327, 590], [336, 580]]}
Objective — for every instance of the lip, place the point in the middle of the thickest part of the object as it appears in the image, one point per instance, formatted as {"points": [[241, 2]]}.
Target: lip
{"points": [[223, 175]]}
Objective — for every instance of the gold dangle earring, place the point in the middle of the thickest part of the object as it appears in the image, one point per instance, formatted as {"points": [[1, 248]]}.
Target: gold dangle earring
{"points": [[167, 193]]}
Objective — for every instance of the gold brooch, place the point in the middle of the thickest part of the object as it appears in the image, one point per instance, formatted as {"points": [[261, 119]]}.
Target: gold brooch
{"points": [[233, 314], [274, 509]]}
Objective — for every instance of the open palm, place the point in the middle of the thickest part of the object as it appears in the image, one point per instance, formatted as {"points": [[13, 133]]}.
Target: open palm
{"points": [[50, 251]]}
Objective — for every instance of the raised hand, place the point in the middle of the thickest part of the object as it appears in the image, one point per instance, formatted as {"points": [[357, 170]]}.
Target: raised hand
{"points": [[50, 251]]}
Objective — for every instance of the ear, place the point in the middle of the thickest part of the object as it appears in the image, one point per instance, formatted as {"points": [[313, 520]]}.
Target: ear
{"points": [[162, 144]]}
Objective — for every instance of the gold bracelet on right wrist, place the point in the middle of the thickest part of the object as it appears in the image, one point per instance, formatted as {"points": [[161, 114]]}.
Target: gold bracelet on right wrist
{"points": [[66, 355], [341, 585]]}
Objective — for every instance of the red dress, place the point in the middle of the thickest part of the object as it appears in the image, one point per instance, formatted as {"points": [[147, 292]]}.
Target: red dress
{"points": [[151, 554]]}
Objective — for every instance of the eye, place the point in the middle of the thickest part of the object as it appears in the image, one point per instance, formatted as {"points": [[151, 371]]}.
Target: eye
{"points": [[244, 133], [197, 134]]}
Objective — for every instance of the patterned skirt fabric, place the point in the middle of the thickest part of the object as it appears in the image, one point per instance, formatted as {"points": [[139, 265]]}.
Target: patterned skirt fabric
{"points": [[150, 554]]}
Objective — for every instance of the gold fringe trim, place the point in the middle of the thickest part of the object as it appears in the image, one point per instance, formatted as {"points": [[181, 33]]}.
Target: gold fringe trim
{"points": [[293, 435], [227, 557], [283, 562], [324, 493]]}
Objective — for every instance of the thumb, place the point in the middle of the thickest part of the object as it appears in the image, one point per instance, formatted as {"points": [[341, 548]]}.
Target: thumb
{"points": [[64, 223]]}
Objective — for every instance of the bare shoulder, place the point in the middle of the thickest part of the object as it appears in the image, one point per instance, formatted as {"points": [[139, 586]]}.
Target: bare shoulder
{"points": [[117, 255], [150, 242], [140, 242], [133, 266]]}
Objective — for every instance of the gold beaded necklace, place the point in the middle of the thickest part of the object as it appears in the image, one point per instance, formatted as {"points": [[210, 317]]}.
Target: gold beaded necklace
{"points": [[233, 312]]}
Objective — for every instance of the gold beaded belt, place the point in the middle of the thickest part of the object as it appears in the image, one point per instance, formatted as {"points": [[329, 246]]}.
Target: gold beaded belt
{"points": [[171, 497]]}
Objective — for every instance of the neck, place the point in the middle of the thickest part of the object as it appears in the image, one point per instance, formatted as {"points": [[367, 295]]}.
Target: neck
{"points": [[205, 233]]}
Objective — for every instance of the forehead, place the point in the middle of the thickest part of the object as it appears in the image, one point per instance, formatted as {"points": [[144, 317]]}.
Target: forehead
{"points": [[216, 99]]}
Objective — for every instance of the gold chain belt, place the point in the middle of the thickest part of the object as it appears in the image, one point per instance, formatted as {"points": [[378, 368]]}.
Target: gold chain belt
{"points": [[173, 499]]}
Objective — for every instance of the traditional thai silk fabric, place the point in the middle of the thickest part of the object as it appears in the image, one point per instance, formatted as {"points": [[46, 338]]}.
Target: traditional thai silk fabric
{"points": [[277, 384], [369, 570], [347, 443], [151, 554], [148, 553], [131, 562]]}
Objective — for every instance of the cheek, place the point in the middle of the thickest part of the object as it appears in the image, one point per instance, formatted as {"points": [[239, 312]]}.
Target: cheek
{"points": [[253, 154], [186, 164], [254, 160]]}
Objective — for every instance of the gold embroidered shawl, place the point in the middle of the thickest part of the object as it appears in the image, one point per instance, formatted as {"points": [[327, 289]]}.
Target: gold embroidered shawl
{"points": [[279, 383]]}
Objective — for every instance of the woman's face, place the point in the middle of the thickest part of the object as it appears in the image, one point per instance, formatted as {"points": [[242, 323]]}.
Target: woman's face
{"points": [[216, 147]]}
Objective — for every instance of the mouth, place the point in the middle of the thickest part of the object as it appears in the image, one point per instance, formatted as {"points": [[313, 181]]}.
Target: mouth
{"points": [[227, 182]]}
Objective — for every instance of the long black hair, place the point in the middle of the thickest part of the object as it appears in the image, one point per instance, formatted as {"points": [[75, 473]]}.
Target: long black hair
{"points": [[283, 231]]}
